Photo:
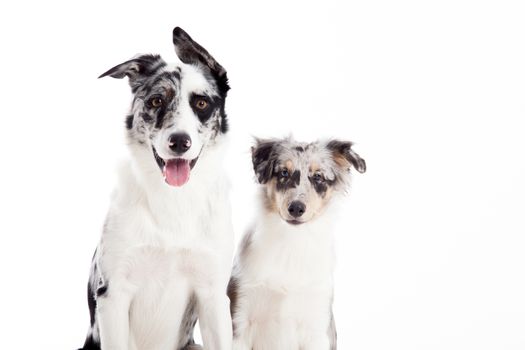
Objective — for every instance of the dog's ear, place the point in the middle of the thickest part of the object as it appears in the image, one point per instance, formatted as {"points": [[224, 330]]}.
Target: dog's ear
{"points": [[263, 159], [136, 68], [344, 155], [190, 52]]}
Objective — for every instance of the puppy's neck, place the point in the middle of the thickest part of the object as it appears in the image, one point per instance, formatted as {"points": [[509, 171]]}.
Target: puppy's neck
{"points": [[316, 234]]}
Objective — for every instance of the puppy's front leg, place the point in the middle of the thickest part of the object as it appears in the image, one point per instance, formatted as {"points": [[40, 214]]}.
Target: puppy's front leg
{"points": [[215, 321], [113, 319]]}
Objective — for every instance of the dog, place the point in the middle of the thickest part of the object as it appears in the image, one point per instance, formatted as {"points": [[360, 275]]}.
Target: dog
{"points": [[281, 287], [164, 259]]}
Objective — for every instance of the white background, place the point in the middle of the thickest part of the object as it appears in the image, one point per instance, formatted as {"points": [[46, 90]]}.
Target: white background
{"points": [[431, 246]]}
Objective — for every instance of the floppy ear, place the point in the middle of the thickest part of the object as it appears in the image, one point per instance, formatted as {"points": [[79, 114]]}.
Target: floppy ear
{"points": [[190, 52], [134, 69], [263, 158], [344, 156]]}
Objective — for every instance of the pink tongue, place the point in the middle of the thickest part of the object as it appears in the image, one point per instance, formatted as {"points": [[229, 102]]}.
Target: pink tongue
{"points": [[177, 172]]}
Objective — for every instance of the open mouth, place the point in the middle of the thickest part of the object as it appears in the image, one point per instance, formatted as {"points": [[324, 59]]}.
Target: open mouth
{"points": [[176, 171]]}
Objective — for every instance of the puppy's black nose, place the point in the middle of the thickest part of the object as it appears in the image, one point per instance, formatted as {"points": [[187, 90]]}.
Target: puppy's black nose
{"points": [[180, 143], [296, 209]]}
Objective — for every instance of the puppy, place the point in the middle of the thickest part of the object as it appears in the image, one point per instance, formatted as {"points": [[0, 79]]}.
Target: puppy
{"points": [[164, 258], [282, 286]]}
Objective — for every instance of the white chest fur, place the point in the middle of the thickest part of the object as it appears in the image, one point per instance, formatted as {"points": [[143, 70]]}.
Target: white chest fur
{"points": [[162, 246], [285, 284]]}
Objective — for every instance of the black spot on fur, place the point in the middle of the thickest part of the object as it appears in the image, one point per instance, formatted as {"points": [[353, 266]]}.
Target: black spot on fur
{"points": [[161, 115], [299, 149], [146, 117], [285, 183], [233, 294], [176, 74], [129, 121], [102, 290], [224, 121], [92, 304]]}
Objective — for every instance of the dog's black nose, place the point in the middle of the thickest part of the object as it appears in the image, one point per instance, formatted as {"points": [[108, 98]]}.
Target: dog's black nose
{"points": [[296, 209], [180, 143]]}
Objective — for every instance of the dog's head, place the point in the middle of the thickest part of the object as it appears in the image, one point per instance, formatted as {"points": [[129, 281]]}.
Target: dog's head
{"points": [[299, 178], [177, 110]]}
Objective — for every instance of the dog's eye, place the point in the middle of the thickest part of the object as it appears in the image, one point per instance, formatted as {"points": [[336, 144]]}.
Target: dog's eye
{"points": [[317, 177], [284, 173], [201, 104], [156, 102]]}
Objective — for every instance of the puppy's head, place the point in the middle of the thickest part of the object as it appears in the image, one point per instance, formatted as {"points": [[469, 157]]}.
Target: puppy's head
{"points": [[300, 179], [177, 109]]}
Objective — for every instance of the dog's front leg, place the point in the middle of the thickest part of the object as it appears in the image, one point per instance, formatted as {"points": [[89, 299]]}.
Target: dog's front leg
{"points": [[215, 321], [113, 319]]}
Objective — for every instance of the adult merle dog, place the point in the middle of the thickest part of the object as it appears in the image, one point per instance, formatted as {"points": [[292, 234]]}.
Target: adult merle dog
{"points": [[164, 257]]}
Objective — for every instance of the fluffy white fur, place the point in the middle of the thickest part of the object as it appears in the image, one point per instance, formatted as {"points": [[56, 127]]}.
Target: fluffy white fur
{"points": [[160, 245], [284, 276]]}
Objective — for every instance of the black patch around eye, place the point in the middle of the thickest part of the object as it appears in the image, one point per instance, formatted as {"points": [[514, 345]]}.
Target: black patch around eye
{"points": [[203, 114], [291, 181], [157, 113], [320, 186]]}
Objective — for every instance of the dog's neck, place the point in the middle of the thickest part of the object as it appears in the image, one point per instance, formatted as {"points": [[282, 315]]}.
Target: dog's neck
{"points": [[291, 257], [272, 224], [315, 236], [141, 183]]}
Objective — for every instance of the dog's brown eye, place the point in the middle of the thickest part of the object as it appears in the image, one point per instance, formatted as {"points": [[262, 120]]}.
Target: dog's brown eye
{"points": [[201, 104], [156, 102], [284, 173], [318, 177]]}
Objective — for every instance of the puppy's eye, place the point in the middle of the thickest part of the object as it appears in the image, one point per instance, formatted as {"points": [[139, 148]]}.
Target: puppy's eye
{"points": [[201, 104], [317, 177], [284, 173], [156, 102]]}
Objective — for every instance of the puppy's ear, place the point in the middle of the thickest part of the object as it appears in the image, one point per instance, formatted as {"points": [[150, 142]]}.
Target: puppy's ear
{"points": [[136, 68], [263, 158], [190, 52], [345, 157]]}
